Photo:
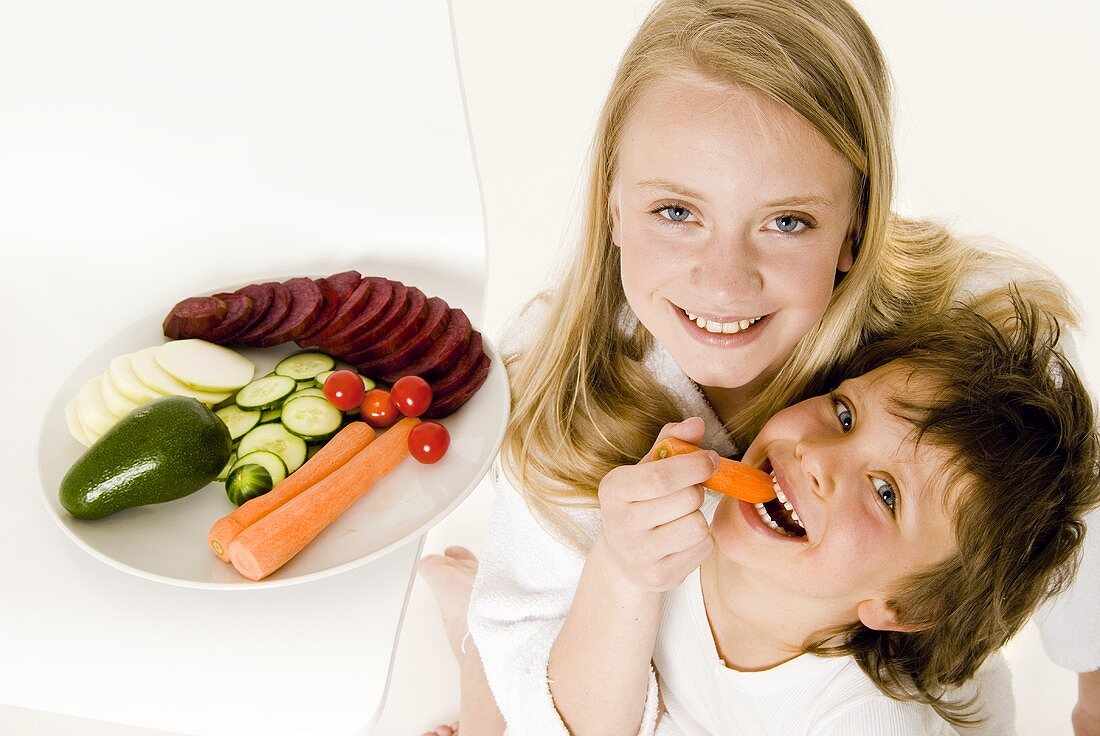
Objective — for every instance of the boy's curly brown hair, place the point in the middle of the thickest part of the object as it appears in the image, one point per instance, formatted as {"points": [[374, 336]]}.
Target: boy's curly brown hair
{"points": [[1020, 430]]}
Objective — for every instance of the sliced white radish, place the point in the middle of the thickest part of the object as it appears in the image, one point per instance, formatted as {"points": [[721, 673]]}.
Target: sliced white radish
{"points": [[116, 401], [126, 381], [91, 409], [150, 373], [204, 366], [76, 429]]}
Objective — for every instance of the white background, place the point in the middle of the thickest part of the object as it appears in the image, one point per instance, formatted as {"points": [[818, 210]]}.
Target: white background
{"points": [[996, 131]]}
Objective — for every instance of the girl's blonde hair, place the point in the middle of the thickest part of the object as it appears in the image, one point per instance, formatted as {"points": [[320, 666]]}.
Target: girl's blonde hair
{"points": [[582, 401]]}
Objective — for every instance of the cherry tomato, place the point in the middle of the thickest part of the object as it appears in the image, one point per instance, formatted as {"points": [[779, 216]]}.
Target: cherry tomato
{"points": [[428, 441], [344, 390], [378, 409], [412, 394]]}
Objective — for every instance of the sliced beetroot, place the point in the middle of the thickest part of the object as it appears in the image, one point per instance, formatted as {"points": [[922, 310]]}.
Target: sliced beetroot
{"points": [[382, 310], [237, 315], [462, 369], [261, 295], [430, 330], [443, 356], [344, 283], [276, 313], [391, 334], [448, 403], [349, 310], [305, 302], [330, 303], [194, 317]]}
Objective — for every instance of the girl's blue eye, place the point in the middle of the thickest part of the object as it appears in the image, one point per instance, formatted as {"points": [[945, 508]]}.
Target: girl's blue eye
{"points": [[886, 492], [675, 212], [790, 224], [843, 414]]}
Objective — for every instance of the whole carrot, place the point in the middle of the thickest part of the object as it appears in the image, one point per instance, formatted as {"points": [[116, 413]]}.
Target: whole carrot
{"points": [[732, 478], [271, 542], [337, 451]]}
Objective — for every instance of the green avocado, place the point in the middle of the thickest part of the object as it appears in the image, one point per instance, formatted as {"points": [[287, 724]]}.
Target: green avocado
{"points": [[164, 450]]}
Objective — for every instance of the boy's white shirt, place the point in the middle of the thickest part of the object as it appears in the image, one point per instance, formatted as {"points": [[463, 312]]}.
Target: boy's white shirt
{"points": [[527, 579]]}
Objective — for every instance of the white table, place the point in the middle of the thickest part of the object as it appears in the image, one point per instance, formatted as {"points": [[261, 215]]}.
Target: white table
{"points": [[151, 151]]}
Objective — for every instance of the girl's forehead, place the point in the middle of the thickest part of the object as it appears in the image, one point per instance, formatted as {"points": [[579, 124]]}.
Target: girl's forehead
{"points": [[683, 126]]}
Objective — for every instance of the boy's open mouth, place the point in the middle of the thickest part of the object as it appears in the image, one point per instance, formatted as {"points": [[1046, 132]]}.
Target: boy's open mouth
{"points": [[778, 513]]}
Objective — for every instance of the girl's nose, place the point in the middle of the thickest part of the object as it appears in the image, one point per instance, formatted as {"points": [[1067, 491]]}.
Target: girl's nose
{"points": [[727, 270]]}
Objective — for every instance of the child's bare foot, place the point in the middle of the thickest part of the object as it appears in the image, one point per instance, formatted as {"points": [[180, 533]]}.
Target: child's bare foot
{"points": [[451, 578], [450, 730]]}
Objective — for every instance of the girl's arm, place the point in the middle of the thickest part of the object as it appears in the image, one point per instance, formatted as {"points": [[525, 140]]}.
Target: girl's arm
{"points": [[653, 536], [525, 585], [599, 667]]}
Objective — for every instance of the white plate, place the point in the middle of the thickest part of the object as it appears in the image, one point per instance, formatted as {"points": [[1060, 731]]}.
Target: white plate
{"points": [[167, 542]]}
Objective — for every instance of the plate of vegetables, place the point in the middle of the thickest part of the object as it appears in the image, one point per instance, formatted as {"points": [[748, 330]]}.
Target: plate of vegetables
{"points": [[320, 466]]}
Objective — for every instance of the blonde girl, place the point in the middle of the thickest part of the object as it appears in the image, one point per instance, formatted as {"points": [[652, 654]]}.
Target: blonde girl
{"points": [[738, 241]]}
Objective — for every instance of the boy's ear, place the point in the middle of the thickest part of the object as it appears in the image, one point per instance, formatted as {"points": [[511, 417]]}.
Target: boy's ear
{"points": [[875, 614]]}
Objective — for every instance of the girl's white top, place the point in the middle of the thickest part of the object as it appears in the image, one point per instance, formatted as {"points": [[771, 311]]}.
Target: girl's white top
{"points": [[528, 576]]}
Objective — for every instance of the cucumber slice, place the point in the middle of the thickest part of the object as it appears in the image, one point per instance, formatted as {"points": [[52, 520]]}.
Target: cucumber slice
{"points": [[238, 420], [304, 365], [311, 391], [368, 384], [309, 383], [266, 393], [269, 460], [311, 418], [271, 415], [222, 476], [275, 438]]}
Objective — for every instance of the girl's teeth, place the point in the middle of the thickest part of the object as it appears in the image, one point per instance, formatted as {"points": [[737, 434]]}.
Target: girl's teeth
{"points": [[727, 328]]}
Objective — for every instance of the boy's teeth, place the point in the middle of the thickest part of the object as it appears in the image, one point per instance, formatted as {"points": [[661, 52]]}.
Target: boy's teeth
{"points": [[782, 498], [727, 328]]}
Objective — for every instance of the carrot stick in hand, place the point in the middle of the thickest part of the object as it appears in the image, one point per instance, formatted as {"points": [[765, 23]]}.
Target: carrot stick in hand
{"points": [[732, 478], [271, 542], [337, 451]]}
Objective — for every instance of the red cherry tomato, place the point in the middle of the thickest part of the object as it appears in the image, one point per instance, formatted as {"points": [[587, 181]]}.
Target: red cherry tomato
{"points": [[344, 390], [412, 394], [428, 442], [378, 409]]}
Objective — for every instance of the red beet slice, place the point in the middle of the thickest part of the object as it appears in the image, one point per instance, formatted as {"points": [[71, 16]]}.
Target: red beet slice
{"points": [[305, 302], [462, 369], [194, 317], [261, 295], [344, 283], [348, 311], [276, 313], [374, 314], [447, 404], [443, 356], [420, 343], [330, 303], [392, 329], [237, 315]]}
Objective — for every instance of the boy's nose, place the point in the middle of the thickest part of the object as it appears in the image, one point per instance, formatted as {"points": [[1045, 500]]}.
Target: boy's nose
{"points": [[814, 461]]}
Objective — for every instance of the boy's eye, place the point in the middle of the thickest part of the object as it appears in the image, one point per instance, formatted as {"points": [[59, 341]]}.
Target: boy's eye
{"points": [[844, 414], [789, 224], [886, 492]]}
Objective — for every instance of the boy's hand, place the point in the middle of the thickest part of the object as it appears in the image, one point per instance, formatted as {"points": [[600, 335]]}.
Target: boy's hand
{"points": [[654, 534]]}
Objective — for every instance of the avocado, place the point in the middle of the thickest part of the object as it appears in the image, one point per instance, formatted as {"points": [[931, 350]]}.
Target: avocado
{"points": [[164, 450]]}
